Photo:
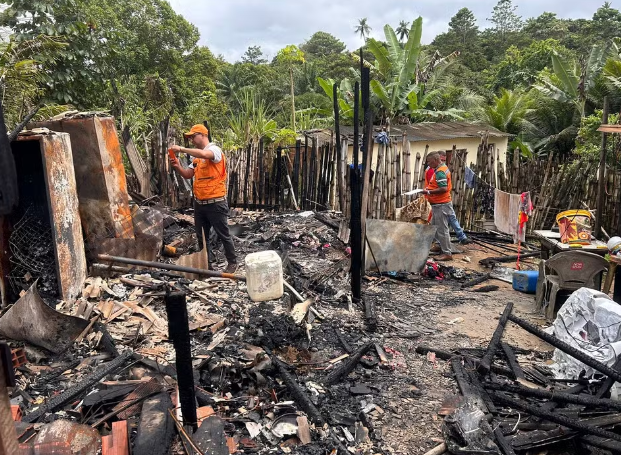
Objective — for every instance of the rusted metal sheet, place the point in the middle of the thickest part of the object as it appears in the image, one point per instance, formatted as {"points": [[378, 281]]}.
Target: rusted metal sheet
{"points": [[149, 234], [31, 320], [63, 437], [62, 199], [100, 176]]}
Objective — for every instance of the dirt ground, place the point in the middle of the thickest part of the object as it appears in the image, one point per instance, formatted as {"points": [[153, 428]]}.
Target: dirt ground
{"points": [[414, 387], [409, 391]]}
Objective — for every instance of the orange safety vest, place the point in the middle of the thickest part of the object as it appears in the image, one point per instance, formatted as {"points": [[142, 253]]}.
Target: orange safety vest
{"points": [[209, 178], [432, 184]]}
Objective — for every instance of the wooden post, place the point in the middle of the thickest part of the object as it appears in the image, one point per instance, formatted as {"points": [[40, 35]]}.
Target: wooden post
{"points": [[423, 165], [601, 190], [355, 221]]}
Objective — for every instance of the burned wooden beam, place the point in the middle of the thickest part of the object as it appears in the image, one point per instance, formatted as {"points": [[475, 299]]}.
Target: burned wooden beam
{"points": [[486, 361], [609, 381], [489, 262], [297, 393], [327, 221], [347, 366], [475, 281], [446, 355], [179, 334], [343, 341], [560, 397], [566, 348], [512, 361], [489, 288], [557, 418], [369, 315], [75, 391], [210, 437], [505, 446]]}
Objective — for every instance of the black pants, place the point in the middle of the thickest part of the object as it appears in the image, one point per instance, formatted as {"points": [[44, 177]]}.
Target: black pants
{"points": [[214, 215]]}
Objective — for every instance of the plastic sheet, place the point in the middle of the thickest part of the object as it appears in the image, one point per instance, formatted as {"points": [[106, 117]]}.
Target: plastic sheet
{"points": [[590, 321]]}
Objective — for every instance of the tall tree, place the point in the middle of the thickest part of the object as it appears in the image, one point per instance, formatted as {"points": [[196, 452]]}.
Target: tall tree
{"points": [[464, 25], [505, 19], [289, 57], [363, 28], [545, 26], [322, 44], [253, 55], [403, 30], [607, 22]]}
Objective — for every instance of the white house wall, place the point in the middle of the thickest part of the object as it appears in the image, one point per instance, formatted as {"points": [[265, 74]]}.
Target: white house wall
{"points": [[470, 144]]}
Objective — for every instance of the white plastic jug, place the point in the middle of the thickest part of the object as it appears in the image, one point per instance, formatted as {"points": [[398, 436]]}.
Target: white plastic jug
{"points": [[264, 276]]}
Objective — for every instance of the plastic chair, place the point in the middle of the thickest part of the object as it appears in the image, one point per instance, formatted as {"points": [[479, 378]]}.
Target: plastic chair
{"points": [[574, 270]]}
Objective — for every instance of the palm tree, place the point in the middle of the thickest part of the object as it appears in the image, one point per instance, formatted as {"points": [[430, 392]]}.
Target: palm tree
{"points": [[507, 112], [403, 31], [363, 28]]}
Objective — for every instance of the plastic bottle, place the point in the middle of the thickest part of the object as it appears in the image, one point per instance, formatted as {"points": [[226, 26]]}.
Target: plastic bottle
{"points": [[264, 276]]}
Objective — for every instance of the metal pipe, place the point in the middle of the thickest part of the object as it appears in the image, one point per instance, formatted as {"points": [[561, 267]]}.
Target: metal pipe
{"points": [[164, 266]]}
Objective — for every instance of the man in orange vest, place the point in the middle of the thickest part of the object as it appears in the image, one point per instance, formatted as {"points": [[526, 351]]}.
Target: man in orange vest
{"points": [[210, 206], [438, 192], [453, 221]]}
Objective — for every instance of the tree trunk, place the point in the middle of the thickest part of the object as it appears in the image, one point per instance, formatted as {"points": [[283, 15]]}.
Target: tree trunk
{"points": [[292, 99]]}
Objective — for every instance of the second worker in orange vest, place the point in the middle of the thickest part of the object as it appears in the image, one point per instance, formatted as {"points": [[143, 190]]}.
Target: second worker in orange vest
{"points": [[210, 206], [438, 190]]}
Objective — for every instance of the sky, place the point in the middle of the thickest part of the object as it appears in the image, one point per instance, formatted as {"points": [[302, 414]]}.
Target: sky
{"points": [[229, 27]]}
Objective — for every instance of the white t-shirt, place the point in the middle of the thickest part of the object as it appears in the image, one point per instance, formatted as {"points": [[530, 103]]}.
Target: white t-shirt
{"points": [[217, 154]]}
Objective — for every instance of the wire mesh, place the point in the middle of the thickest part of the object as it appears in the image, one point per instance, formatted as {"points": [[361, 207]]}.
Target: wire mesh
{"points": [[32, 252]]}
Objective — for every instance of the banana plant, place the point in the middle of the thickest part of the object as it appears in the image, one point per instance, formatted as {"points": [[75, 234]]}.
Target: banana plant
{"points": [[345, 98], [574, 82], [401, 73]]}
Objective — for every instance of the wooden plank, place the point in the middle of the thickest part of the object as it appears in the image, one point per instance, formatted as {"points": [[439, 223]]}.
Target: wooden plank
{"points": [[210, 437], [303, 430], [116, 443]]}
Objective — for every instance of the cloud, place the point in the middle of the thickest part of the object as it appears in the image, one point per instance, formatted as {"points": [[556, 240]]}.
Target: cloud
{"points": [[229, 27]]}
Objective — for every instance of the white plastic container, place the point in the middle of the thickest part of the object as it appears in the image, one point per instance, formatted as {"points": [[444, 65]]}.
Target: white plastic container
{"points": [[264, 276]]}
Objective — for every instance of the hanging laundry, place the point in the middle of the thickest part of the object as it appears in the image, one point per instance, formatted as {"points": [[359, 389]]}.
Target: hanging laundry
{"points": [[507, 214], [469, 178], [526, 210]]}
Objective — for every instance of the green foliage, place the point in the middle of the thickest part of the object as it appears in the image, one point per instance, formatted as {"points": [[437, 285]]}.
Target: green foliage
{"points": [[254, 55], [505, 19], [363, 28], [507, 112], [290, 55], [573, 81], [464, 25], [403, 30], [589, 140], [520, 67], [322, 44], [284, 137]]}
